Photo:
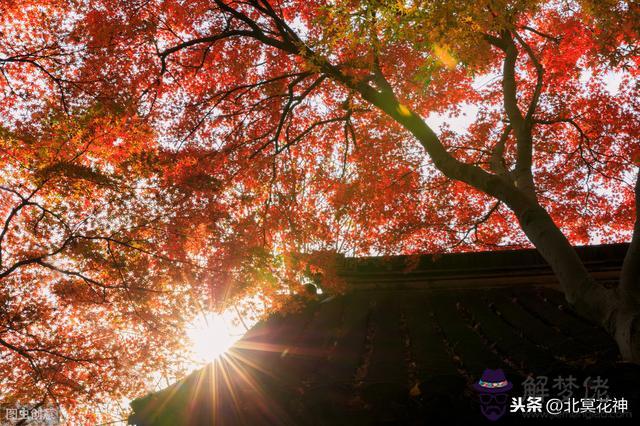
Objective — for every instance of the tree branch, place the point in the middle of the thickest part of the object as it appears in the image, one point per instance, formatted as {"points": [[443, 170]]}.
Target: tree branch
{"points": [[539, 79], [541, 34], [210, 39], [523, 176], [497, 155]]}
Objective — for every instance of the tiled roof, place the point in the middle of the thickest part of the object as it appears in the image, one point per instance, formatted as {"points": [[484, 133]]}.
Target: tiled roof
{"points": [[403, 347]]}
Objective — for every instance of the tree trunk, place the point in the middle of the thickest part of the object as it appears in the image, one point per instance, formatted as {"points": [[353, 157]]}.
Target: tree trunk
{"points": [[626, 329], [615, 309], [628, 315], [630, 275]]}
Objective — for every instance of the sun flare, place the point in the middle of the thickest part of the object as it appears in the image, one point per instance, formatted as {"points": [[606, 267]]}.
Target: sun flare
{"points": [[210, 336]]}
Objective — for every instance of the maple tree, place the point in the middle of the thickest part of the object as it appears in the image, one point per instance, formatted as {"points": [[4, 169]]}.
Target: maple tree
{"points": [[157, 151]]}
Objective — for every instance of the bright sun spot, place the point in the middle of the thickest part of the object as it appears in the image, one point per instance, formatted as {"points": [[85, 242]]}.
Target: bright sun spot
{"points": [[211, 335]]}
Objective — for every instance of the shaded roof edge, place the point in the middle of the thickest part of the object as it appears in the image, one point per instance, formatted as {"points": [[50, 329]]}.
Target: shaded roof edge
{"points": [[603, 256]]}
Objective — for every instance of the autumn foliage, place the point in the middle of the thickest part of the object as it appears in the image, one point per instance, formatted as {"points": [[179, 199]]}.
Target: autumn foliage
{"points": [[159, 157]]}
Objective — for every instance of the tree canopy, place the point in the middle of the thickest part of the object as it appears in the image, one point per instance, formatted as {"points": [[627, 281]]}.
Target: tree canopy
{"points": [[160, 156]]}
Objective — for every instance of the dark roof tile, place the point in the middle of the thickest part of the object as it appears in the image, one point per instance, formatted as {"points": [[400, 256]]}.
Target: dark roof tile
{"points": [[355, 358]]}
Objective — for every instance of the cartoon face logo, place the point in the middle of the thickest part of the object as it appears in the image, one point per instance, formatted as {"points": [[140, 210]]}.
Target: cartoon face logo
{"points": [[493, 390]]}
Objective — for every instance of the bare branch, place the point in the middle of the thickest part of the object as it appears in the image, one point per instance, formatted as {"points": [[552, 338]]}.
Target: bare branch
{"points": [[59, 82], [208, 40], [541, 34], [474, 226], [539, 79]]}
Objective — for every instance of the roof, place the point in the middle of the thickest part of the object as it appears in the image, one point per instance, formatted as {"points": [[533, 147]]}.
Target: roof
{"points": [[402, 346]]}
